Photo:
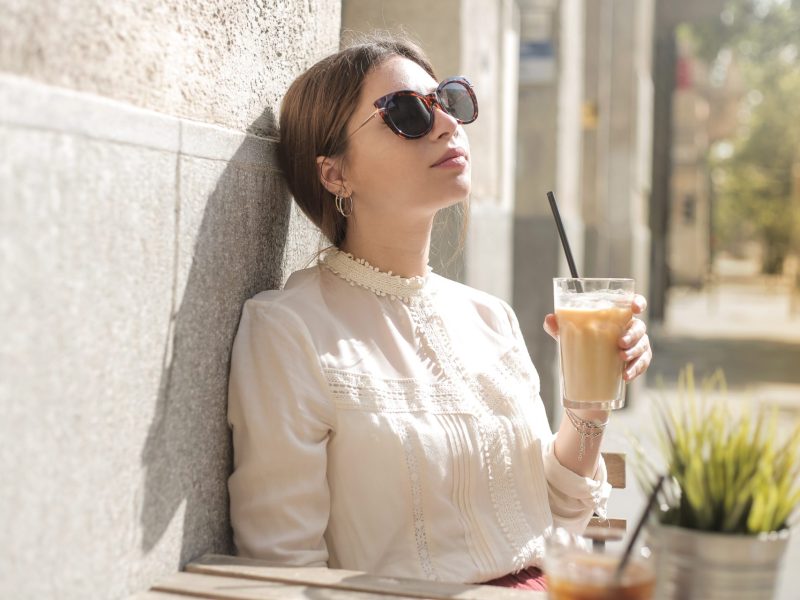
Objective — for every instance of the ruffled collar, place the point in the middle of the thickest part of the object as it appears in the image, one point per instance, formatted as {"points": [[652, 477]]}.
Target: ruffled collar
{"points": [[358, 271]]}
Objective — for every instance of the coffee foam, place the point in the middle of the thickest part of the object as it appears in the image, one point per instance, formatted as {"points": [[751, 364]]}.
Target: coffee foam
{"points": [[598, 300]]}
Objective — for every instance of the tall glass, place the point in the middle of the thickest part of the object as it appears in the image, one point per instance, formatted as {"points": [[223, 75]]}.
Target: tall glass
{"points": [[592, 315]]}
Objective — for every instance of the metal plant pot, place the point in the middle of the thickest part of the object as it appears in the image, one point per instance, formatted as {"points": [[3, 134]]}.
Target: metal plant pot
{"points": [[695, 565]]}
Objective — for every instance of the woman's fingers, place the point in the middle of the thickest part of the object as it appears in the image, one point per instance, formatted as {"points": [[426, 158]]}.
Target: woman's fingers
{"points": [[639, 304], [637, 350], [551, 325], [639, 365], [635, 331]]}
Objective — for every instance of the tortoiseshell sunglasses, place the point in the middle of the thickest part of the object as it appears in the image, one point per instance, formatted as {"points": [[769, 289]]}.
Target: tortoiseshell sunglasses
{"points": [[410, 114]]}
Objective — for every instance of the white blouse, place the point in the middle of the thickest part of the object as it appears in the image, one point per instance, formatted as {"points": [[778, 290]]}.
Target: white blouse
{"points": [[393, 426]]}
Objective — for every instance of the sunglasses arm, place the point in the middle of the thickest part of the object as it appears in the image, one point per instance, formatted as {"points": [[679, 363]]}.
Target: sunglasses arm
{"points": [[368, 119]]}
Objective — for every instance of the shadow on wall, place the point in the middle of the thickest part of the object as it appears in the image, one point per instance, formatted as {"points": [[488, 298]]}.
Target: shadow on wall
{"points": [[224, 257]]}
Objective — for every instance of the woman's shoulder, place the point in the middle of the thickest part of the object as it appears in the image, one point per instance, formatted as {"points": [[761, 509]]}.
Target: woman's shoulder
{"points": [[491, 308], [299, 296], [470, 294]]}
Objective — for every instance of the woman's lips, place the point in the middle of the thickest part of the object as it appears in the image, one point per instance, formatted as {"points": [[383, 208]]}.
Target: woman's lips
{"points": [[450, 158], [457, 162]]}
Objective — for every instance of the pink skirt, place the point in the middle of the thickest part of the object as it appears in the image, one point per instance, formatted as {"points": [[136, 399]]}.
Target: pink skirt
{"points": [[530, 578]]}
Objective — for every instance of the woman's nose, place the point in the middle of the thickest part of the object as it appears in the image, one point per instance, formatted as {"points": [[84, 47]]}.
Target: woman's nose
{"points": [[443, 123]]}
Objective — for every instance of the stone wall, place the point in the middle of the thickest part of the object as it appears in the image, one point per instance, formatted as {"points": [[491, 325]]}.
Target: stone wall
{"points": [[140, 204]]}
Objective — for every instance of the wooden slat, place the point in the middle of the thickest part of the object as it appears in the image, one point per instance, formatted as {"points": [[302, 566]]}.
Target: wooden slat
{"points": [[615, 465], [606, 529], [213, 587], [351, 581], [151, 595]]}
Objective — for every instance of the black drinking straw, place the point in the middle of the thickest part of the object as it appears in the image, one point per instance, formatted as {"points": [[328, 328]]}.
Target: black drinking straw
{"points": [[564, 241], [651, 501]]}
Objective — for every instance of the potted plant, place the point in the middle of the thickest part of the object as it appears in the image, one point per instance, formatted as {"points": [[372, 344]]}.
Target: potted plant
{"points": [[731, 493]]}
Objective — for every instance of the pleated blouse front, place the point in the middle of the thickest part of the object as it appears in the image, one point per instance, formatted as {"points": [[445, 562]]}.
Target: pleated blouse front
{"points": [[393, 426]]}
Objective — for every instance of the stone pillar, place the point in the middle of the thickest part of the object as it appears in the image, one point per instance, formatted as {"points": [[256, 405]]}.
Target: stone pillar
{"points": [[140, 204], [794, 302], [479, 40], [597, 85], [664, 67], [617, 138], [549, 158]]}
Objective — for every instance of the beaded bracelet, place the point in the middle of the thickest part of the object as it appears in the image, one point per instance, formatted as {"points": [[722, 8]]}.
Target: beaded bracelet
{"points": [[586, 429]]}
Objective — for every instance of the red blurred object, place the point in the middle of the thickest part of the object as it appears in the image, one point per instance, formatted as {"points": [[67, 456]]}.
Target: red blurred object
{"points": [[683, 73], [530, 578]]}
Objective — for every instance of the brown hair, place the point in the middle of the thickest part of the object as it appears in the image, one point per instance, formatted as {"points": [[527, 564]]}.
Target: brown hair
{"points": [[314, 116]]}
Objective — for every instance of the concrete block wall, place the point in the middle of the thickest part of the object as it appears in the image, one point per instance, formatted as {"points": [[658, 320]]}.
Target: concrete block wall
{"points": [[140, 205]]}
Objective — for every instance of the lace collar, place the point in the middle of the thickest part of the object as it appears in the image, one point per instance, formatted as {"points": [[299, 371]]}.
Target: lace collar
{"points": [[358, 271]]}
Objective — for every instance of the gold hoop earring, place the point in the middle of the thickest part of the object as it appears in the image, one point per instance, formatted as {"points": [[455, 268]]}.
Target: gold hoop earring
{"points": [[344, 205]]}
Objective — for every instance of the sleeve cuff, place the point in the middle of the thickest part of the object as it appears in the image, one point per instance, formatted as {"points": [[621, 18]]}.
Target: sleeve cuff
{"points": [[573, 498]]}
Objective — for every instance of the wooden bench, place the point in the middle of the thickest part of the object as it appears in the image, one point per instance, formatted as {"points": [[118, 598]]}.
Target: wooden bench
{"points": [[231, 578], [600, 530]]}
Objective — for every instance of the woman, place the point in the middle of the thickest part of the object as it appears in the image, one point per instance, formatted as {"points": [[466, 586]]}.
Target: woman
{"points": [[384, 418]]}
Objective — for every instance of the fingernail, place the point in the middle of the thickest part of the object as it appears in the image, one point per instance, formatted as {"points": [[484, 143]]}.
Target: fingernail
{"points": [[626, 339]]}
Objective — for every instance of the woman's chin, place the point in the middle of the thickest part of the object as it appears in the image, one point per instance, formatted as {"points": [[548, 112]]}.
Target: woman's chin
{"points": [[460, 190]]}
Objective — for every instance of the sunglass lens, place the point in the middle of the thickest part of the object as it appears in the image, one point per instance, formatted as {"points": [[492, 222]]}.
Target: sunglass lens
{"points": [[409, 115], [458, 101]]}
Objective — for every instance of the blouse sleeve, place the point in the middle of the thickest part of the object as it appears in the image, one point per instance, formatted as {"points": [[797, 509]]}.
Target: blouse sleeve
{"points": [[281, 419], [573, 498]]}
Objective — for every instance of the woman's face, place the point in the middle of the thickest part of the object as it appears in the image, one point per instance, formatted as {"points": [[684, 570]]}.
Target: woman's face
{"points": [[391, 174]]}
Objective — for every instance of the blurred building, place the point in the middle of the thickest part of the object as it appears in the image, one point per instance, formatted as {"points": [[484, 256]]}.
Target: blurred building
{"points": [[668, 17], [705, 105], [689, 243]]}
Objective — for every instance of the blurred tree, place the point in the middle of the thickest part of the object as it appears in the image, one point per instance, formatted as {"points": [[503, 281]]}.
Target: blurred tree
{"points": [[753, 183]]}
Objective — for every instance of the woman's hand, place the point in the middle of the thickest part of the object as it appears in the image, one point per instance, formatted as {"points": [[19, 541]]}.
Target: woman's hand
{"points": [[634, 344]]}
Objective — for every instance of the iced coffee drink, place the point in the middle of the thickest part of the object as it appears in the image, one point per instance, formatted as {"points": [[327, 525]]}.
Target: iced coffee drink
{"points": [[575, 572], [592, 577], [592, 316]]}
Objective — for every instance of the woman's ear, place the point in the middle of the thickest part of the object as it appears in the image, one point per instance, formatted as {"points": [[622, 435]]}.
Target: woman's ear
{"points": [[331, 174]]}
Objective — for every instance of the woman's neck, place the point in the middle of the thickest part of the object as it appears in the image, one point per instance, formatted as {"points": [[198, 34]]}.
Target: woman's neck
{"points": [[403, 250]]}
